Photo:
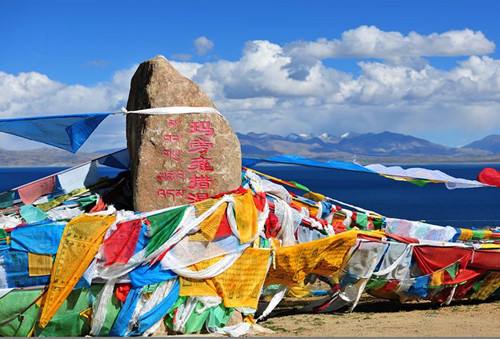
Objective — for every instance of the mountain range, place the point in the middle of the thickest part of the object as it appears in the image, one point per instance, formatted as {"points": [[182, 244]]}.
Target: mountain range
{"points": [[385, 147]]}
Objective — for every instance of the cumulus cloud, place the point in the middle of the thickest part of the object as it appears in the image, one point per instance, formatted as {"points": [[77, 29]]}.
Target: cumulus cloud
{"points": [[270, 89], [33, 93], [203, 45], [371, 42]]}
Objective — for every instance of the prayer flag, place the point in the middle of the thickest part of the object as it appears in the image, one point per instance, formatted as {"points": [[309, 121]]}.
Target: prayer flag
{"points": [[31, 192]]}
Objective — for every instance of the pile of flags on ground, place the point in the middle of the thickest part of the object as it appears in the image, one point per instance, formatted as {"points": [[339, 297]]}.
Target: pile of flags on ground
{"points": [[75, 261]]}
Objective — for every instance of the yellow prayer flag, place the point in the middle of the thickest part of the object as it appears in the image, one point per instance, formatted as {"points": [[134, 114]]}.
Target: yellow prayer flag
{"points": [[39, 264], [437, 278], [489, 246], [202, 206], [465, 234], [298, 291], [246, 214], [314, 196], [489, 285], [209, 226], [197, 288], [324, 257], [238, 286], [79, 244]]}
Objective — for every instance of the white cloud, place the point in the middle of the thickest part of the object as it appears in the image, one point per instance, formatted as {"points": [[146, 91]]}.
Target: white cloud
{"points": [[269, 90], [203, 45], [33, 93], [371, 42]]}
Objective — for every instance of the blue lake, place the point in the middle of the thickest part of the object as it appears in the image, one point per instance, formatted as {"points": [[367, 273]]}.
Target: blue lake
{"points": [[479, 207]]}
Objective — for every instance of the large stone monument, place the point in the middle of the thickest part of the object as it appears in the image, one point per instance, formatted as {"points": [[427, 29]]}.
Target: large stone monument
{"points": [[177, 158]]}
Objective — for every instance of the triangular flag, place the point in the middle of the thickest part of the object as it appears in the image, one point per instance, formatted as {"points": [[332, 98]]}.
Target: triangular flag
{"points": [[162, 227], [79, 244], [68, 132], [452, 270]]}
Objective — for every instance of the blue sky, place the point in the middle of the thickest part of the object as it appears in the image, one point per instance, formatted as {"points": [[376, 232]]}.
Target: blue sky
{"points": [[94, 44]]}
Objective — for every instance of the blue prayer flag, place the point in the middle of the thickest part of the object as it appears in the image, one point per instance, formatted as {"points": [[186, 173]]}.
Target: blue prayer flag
{"points": [[68, 132]]}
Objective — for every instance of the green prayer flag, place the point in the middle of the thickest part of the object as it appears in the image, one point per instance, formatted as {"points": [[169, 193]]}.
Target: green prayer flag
{"points": [[162, 227], [375, 283], [477, 234], [151, 288], [300, 186], [452, 270], [214, 317], [68, 321], [362, 220], [6, 199], [264, 243], [378, 223], [168, 319], [196, 320], [477, 285], [32, 214], [219, 316], [10, 305], [87, 200], [419, 182]]}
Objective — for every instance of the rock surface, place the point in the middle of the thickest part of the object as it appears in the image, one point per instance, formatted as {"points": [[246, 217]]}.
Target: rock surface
{"points": [[177, 158]]}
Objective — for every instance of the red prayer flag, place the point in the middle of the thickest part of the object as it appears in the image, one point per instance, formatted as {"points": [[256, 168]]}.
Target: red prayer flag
{"points": [[431, 259], [122, 291], [120, 245], [31, 192], [486, 260], [272, 226], [224, 229], [99, 206], [489, 176]]}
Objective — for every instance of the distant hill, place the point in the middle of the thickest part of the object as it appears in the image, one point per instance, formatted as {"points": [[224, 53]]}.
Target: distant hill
{"points": [[43, 157], [390, 144], [387, 147], [490, 143]]}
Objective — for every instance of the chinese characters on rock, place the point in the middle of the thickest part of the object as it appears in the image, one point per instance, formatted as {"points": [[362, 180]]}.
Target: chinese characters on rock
{"points": [[194, 181]]}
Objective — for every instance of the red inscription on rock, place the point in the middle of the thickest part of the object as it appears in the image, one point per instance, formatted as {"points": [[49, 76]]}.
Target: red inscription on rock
{"points": [[200, 145], [171, 137], [202, 182], [200, 164], [188, 144], [202, 127], [170, 193], [174, 154], [170, 176]]}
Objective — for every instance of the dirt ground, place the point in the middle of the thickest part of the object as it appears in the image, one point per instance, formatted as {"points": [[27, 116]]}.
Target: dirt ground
{"points": [[385, 318]]}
